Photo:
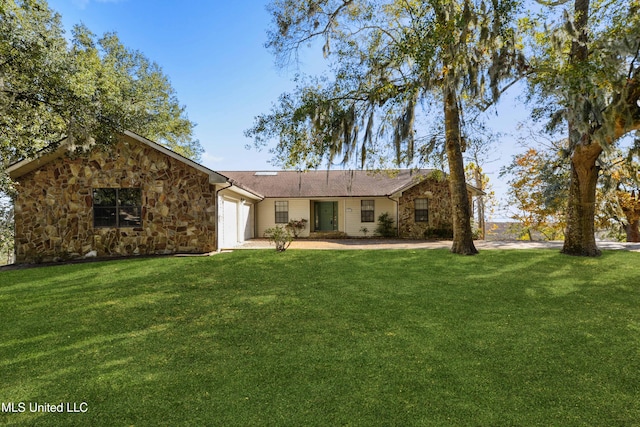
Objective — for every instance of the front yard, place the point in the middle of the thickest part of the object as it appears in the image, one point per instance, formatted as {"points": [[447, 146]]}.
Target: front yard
{"points": [[309, 338]]}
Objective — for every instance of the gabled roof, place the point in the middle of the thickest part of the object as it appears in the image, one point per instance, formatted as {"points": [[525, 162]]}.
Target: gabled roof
{"points": [[328, 183], [25, 166]]}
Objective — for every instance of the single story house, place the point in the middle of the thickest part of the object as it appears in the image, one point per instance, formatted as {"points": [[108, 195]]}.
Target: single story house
{"points": [[348, 202], [138, 197], [135, 197]]}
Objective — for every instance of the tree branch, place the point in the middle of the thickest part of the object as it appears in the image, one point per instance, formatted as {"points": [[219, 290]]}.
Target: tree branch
{"points": [[30, 97], [632, 69], [331, 18]]}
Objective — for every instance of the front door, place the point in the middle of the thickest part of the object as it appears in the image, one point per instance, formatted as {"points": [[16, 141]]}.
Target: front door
{"points": [[326, 216]]}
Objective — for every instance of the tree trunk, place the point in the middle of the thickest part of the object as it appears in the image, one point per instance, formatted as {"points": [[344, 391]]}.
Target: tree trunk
{"points": [[480, 186], [461, 209], [630, 205], [580, 233], [579, 237], [633, 231]]}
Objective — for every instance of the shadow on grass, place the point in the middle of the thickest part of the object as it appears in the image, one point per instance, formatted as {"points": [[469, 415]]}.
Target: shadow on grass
{"points": [[338, 337]]}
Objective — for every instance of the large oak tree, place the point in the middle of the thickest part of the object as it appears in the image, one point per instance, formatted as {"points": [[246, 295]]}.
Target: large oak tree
{"points": [[87, 90], [588, 76]]}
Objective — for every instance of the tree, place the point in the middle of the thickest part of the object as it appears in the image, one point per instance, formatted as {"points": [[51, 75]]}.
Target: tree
{"points": [[33, 90], [389, 61], [618, 194], [537, 192], [132, 93], [587, 66], [87, 91], [479, 147]]}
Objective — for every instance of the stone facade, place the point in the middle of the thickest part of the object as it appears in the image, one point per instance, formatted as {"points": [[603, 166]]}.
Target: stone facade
{"points": [[54, 208], [436, 190]]}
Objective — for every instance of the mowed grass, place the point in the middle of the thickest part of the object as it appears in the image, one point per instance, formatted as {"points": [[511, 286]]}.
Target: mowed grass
{"points": [[326, 338]]}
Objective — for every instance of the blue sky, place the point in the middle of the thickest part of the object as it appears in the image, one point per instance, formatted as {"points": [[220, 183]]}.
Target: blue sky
{"points": [[213, 52], [214, 55]]}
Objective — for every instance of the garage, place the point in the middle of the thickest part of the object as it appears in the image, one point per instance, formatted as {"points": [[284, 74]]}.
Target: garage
{"points": [[230, 223]]}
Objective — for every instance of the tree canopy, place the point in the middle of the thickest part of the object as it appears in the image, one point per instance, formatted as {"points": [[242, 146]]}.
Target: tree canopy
{"points": [[88, 89], [538, 181], [587, 77], [393, 65]]}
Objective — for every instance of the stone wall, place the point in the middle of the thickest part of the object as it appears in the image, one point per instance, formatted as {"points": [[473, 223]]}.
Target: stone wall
{"points": [[436, 190], [54, 208]]}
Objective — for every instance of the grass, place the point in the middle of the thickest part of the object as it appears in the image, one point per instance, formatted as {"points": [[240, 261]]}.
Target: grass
{"points": [[360, 338]]}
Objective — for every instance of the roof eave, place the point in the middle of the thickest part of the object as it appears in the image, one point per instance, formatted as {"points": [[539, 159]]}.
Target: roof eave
{"points": [[29, 164]]}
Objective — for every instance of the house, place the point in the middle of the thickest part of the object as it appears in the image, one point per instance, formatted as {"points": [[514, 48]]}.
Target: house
{"points": [[138, 197], [135, 197], [348, 203]]}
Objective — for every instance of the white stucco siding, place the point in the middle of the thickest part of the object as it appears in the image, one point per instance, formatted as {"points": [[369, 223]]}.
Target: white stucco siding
{"points": [[349, 218], [353, 215], [266, 214]]}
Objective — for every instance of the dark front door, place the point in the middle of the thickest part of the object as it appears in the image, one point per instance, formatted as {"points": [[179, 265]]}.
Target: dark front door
{"points": [[326, 216]]}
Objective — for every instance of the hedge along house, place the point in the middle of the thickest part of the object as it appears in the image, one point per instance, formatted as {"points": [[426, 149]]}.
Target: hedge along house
{"points": [[135, 197], [348, 203]]}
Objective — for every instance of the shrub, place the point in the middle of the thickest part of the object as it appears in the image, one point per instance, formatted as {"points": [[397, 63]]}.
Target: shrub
{"points": [[438, 233], [385, 226], [296, 226], [280, 236]]}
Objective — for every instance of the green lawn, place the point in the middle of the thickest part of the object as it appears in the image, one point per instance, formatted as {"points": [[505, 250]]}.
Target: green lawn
{"points": [[328, 338]]}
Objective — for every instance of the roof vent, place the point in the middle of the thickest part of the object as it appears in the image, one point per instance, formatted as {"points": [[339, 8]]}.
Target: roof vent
{"points": [[266, 173]]}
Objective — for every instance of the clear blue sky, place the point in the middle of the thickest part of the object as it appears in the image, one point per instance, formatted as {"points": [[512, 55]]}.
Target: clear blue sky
{"points": [[213, 52]]}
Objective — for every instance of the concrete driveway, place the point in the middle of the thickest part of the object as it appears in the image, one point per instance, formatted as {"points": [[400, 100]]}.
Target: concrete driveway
{"points": [[421, 244]]}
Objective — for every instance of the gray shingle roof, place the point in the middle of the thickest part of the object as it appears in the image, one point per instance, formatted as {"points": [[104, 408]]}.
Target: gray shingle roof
{"points": [[323, 183]]}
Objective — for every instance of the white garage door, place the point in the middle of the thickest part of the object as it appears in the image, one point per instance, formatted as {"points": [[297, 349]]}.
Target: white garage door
{"points": [[230, 223]]}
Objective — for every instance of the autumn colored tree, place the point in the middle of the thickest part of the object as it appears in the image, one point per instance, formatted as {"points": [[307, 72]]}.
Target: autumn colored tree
{"points": [[537, 193], [630, 204], [619, 193], [389, 61]]}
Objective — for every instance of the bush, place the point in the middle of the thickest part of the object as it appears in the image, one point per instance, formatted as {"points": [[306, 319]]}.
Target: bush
{"points": [[296, 226], [385, 226], [280, 236], [438, 233]]}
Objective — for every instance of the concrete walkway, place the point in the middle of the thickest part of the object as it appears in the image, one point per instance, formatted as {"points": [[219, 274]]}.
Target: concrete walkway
{"points": [[421, 244]]}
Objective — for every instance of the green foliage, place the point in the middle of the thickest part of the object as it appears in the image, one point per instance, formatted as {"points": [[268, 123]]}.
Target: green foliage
{"points": [[280, 236], [584, 67], [389, 61], [87, 90], [587, 78], [34, 91], [309, 338], [385, 227]]}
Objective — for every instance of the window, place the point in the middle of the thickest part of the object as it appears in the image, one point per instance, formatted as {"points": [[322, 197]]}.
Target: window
{"points": [[367, 211], [282, 212], [117, 207], [422, 210]]}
